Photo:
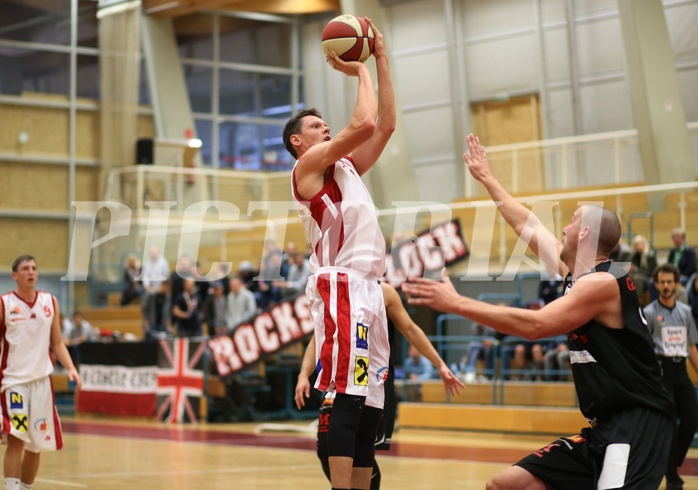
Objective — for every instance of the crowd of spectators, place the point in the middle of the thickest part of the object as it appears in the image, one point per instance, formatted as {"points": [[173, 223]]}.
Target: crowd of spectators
{"points": [[184, 303]]}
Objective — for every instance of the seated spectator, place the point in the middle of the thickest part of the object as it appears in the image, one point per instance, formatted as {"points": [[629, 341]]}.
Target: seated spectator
{"points": [[417, 367], [215, 310], [643, 261], [133, 289], [75, 333], [185, 311], [557, 359], [297, 277], [241, 304], [477, 350], [517, 357]]}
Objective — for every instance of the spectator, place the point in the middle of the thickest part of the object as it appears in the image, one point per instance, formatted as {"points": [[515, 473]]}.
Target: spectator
{"points": [[550, 289], [202, 285], [297, 278], [132, 285], [269, 273], [557, 359], [416, 367], [287, 259], [241, 304], [75, 333], [682, 256], [153, 274], [215, 310], [184, 270], [162, 318], [185, 311], [526, 352], [481, 349], [643, 261]]}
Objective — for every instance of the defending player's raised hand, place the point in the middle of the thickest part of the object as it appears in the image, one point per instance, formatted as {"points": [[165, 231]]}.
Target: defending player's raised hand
{"points": [[440, 296], [476, 159]]}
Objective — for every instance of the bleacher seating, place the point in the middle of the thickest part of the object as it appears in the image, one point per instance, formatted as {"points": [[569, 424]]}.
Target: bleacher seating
{"points": [[122, 319]]}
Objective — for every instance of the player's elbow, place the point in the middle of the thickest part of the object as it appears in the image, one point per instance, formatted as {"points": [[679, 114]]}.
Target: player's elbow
{"points": [[364, 127]]}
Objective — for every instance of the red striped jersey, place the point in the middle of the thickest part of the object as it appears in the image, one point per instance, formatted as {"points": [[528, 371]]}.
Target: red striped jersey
{"points": [[341, 222], [25, 338]]}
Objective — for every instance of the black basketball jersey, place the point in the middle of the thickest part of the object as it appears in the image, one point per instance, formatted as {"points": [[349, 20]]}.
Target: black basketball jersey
{"points": [[616, 369]]}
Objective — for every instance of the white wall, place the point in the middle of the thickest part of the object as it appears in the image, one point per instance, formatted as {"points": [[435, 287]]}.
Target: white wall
{"points": [[499, 50]]}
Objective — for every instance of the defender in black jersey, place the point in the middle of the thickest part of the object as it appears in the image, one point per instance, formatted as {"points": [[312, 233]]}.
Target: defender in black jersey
{"points": [[616, 374]]}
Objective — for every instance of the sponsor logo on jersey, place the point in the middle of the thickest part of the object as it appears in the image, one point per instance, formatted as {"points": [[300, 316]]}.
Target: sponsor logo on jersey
{"points": [[16, 401], [361, 336], [19, 422], [581, 357], [15, 311], [41, 425], [382, 374], [361, 371]]}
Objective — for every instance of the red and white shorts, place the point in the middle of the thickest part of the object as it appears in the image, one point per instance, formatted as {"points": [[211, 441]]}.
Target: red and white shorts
{"points": [[351, 333], [29, 413]]}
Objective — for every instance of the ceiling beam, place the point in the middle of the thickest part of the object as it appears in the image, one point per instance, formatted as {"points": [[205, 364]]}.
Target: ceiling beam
{"points": [[177, 8]]}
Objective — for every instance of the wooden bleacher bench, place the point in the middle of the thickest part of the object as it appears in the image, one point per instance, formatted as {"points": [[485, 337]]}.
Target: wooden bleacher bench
{"points": [[123, 319]]}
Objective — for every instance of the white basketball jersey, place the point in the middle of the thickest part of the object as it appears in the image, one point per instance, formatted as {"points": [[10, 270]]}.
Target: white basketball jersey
{"points": [[25, 338], [341, 222]]}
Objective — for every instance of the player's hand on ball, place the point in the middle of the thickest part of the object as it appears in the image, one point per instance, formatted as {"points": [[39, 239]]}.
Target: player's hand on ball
{"points": [[379, 46], [351, 68]]}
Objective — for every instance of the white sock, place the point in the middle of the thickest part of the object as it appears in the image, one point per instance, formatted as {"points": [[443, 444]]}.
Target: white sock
{"points": [[11, 483], [25, 486]]}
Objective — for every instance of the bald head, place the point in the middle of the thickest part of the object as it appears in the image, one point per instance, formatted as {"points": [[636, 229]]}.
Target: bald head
{"points": [[604, 223]]}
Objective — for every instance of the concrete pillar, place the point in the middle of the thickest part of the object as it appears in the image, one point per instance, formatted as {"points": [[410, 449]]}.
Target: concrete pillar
{"points": [[665, 146]]}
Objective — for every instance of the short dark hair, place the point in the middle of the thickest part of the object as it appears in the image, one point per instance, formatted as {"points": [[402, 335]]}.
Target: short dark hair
{"points": [[666, 268], [20, 259], [293, 126]]}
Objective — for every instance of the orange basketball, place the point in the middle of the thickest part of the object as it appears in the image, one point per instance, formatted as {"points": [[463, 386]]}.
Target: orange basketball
{"points": [[349, 36]]}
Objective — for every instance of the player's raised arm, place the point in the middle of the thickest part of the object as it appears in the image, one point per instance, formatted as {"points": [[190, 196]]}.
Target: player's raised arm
{"points": [[368, 153], [526, 224]]}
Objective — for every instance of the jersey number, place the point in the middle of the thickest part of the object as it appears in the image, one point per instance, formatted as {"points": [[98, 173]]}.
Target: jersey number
{"points": [[47, 310]]}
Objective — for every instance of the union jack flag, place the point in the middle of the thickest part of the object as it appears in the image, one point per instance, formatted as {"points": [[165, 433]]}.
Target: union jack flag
{"points": [[180, 380]]}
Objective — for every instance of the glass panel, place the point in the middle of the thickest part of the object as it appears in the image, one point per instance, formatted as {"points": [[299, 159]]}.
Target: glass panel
{"points": [[30, 70], [204, 131], [255, 42], [87, 24], [200, 87], [274, 154], [195, 36], [237, 93], [46, 22], [239, 146], [88, 76], [275, 92]]}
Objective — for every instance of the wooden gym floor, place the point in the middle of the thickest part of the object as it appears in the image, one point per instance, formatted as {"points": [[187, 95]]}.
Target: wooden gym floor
{"points": [[103, 454]]}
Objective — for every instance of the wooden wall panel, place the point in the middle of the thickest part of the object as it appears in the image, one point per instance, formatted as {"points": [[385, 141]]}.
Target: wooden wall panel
{"points": [[44, 239], [86, 188], [87, 139], [32, 187], [47, 129]]}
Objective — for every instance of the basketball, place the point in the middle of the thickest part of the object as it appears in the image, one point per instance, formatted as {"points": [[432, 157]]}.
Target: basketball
{"points": [[348, 36]]}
